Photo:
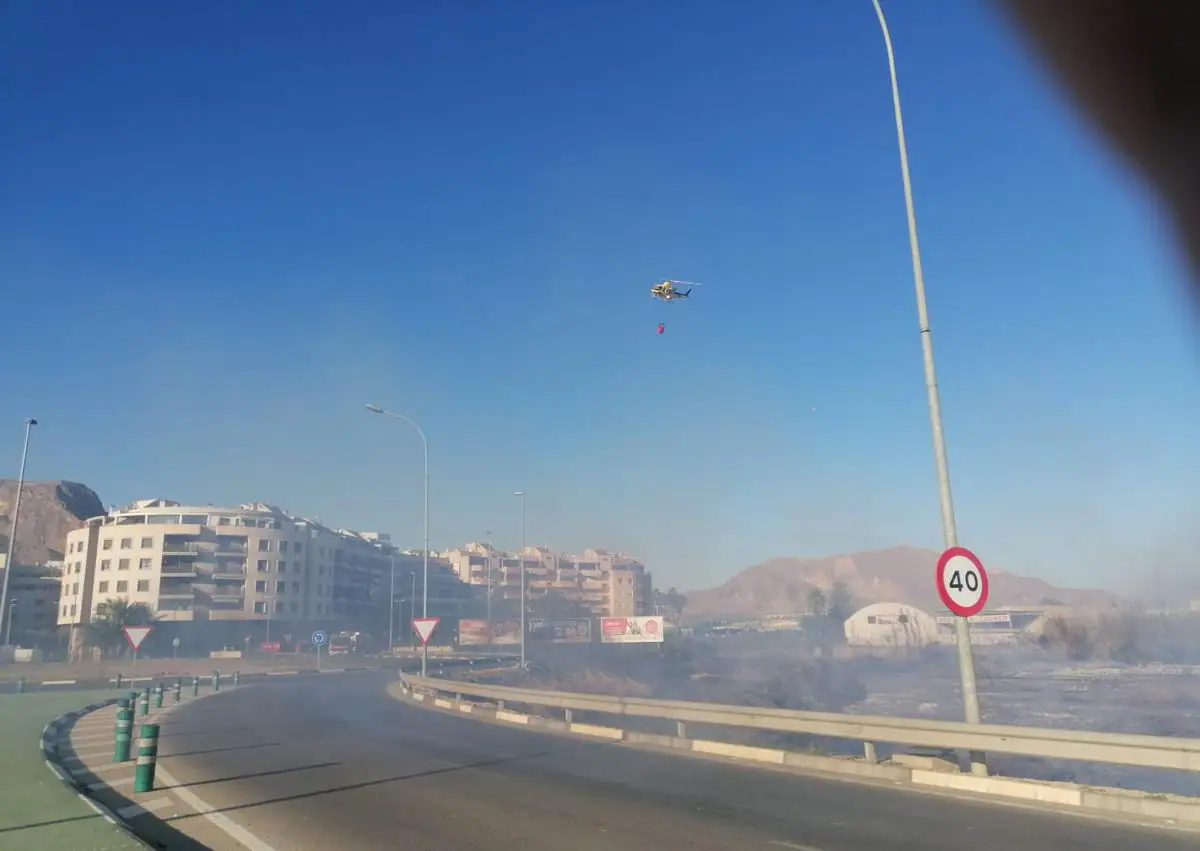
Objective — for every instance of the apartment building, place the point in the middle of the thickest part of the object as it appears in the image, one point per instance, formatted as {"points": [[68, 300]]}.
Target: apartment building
{"points": [[33, 602], [248, 564], [597, 583]]}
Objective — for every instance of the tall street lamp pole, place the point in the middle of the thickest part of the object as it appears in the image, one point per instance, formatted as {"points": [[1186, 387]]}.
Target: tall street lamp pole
{"points": [[392, 608], [375, 409], [962, 633], [521, 494], [489, 585], [10, 563]]}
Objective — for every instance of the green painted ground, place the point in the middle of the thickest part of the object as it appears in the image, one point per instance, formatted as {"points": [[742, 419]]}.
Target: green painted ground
{"points": [[36, 809]]}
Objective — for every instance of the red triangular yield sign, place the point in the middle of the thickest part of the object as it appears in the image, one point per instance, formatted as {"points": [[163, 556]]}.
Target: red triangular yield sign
{"points": [[424, 628], [135, 635]]}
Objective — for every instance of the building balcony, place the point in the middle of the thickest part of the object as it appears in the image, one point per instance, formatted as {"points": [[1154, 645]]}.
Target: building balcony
{"points": [[177, 594], [181, 548], [178, 570]]}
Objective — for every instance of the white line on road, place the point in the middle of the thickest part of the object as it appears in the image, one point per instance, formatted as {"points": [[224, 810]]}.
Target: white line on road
{"points": [[111, 784], [91, 751], [223, 822], [794, 845], [92, 737], [135, 810]]}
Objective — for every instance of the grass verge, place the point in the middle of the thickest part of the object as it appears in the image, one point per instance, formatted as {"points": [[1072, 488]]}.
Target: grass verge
{"points": [[37, 810]]}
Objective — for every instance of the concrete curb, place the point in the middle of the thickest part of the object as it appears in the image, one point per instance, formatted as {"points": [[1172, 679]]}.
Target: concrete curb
{"points": [[1161, 810], [50, 735]]}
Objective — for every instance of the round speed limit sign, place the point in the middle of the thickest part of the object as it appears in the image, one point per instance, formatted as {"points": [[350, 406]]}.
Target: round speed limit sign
{"points": [[962, 582]]}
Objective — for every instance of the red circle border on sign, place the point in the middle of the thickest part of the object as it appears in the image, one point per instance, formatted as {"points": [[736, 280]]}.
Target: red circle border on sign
{"points": [[940, 575]]}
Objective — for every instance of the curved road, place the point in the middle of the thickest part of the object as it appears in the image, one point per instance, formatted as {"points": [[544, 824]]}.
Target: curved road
{"points": [[308, 763]]}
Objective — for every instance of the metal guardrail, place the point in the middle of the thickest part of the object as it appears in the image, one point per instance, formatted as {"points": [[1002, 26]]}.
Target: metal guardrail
{"points": [[1143, 751]]}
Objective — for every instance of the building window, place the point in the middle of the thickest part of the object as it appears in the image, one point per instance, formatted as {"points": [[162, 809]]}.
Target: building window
{"points": [[260, 608], [102, 588], [147, 543], [106, 544], [74, 609], [260, 586], [297, 547], [127, 543], [75, 589], [122, 586], [105, 564], [872, 619], [282, 568], [295, 587], [283, 546], [262, 565], [280, 587], [64, 614], [264, 546], [144, 563], [123, 564], [143, 585]]}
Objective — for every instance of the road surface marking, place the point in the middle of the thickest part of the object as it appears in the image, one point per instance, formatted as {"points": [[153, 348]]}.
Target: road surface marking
{"points": [[94, 750], [794, 845], [111, 784], [135, 810], [231, 828], [92, 737]]}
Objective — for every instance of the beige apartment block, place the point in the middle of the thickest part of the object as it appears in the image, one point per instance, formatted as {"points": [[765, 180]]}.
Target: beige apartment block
{"points": [[597, 583], [250, 563]]}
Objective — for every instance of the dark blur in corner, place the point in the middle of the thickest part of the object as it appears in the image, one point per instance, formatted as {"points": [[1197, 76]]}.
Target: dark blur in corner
{"points": [[1134, 68]]}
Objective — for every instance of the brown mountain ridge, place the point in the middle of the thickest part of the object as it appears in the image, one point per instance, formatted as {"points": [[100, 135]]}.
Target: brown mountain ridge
{"points": [[49, 510], [900, 574]]}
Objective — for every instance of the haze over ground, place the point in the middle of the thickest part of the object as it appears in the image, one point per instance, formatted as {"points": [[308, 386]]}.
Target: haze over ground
{"points": [[224, 230]]}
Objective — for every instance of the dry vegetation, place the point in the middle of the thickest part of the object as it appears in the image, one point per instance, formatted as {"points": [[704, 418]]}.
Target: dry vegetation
{"points": [[1128, 637]]}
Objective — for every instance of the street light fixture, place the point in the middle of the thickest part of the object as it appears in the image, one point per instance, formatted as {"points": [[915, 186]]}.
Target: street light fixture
{"points": [[521, 494], [966, 662], [375, 409], [10, 563]]}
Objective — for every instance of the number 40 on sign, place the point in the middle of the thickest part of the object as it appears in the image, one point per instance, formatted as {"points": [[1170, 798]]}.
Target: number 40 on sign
{"points": [[962, 582]]}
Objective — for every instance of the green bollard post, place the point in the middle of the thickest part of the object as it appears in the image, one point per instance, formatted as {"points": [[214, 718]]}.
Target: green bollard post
{"points": [[147, 759], [216, 680], [195, 686], [133, 699], [158, 696], [237, 678], [178, 690], [124, 731], [144, 702]]}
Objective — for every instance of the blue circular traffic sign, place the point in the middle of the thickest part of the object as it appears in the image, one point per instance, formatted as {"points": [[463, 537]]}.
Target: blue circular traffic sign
{"points": [[319, 637]]}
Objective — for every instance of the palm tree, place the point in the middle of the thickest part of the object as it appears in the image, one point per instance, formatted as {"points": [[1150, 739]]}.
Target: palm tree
{"points": [[106, 629]]}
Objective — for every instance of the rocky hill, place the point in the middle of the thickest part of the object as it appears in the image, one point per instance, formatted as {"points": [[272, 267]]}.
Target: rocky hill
{"points": [[49, 510], [897, 574]]}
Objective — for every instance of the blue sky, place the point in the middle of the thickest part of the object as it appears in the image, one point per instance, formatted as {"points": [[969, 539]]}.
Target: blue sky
{"points": [[224, 227]]}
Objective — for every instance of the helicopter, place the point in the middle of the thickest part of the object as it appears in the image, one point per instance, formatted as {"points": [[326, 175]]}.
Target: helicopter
{"points": [[668, 290]]}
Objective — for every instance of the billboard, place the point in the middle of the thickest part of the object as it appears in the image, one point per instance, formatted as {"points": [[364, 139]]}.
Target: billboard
{"points": [[571, 631], [475, 632], [639, 630]]}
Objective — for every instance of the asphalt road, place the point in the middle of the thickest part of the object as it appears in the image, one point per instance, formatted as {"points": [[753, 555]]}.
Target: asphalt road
{"points": [[334, 763]]}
